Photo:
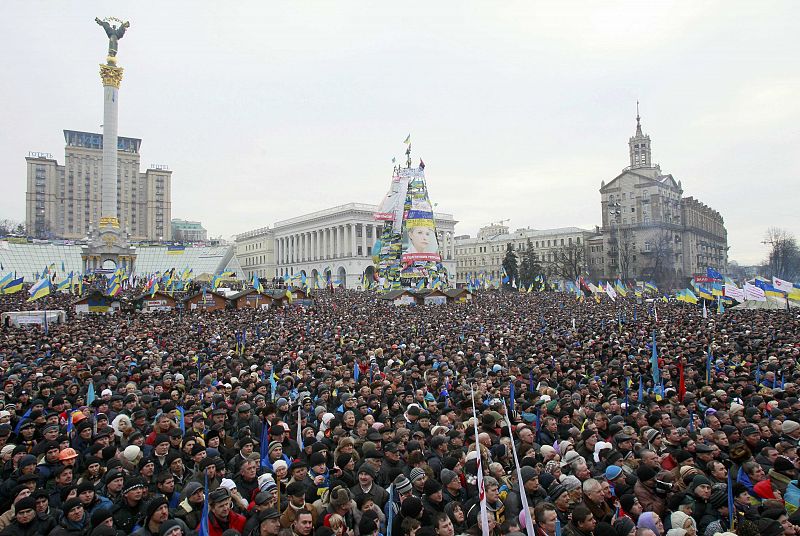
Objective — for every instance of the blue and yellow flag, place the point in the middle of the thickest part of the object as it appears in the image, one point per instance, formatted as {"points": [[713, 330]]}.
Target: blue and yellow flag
{"points": [[40, 289], [13, 287], [257, 283]]}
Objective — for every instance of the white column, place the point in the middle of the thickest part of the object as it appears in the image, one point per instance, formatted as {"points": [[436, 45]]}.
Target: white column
{"points": [[304, 248], [278, 251], [326, 240], [364, 251], [313, 245], [351, 239]]}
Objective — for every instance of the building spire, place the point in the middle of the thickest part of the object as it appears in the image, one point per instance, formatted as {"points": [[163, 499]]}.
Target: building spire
{"points": [[638, 120], [639, 145]]}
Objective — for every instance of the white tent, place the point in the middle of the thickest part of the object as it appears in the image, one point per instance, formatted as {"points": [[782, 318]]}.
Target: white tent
{"points": [[772, 303]]}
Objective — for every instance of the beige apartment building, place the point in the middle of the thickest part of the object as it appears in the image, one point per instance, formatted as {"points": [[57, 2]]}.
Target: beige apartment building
{"points": [[650, 231], [65, 201], [484, 253]]}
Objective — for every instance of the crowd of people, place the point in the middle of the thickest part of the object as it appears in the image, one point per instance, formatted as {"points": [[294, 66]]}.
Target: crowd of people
{"points": [[353, 417]]}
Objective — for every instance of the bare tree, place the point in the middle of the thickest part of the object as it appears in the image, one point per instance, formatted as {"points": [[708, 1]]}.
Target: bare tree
{"points": [[662, 253], [783, 259], [622, 253], [569, 262], [9, 226]]}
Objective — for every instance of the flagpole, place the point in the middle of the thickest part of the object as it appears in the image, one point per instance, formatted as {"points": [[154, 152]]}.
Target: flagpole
{"points": [[522, 494], [484, 519]]}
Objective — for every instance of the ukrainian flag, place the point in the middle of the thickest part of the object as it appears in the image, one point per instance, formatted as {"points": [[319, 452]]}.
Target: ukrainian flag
{"points": [[651, 286], [40, 289], [5, 280], [704, 293], [620, 288], [257, 283], [13, 286]]}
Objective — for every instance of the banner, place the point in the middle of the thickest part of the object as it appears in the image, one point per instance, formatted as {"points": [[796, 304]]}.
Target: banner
{"points": [[752, 292], [732, 291], [782, 285]]}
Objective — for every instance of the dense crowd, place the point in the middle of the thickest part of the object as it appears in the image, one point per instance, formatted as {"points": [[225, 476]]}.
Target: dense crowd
{"points": [[352, 417]]}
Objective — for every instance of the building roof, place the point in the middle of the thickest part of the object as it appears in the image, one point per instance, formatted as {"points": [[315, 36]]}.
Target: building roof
{"points": [[522, 233]]}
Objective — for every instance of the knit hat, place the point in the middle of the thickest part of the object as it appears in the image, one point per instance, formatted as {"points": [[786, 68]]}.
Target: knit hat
{"points": [[651, 434], [170, 524], [623, 526], [570, 482], [316, 458], [131, 483], [645, 473], [154, 504], [528, 473], [70, 504], [131, 452], [280, 464], [28, 503], [719, 497], [447, 476], [368, 469], [275, 445], [789, 426], [411, 507], [100, 515], [556, 491], [613, 471], [343, 459], [626, 502], [432, 486], [402, 484], [783, 465], [416, 473]]}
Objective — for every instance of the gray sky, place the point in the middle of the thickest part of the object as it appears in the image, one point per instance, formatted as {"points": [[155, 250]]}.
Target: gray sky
{"points": [[267, 110]]}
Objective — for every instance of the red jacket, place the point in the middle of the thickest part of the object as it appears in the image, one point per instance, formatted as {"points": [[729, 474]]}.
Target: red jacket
{"points": [[235, 521]]}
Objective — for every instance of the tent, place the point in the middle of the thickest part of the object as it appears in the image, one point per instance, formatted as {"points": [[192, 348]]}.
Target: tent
{"points": [[772, 303]]}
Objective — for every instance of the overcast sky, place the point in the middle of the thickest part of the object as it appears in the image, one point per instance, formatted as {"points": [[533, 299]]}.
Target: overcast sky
{"points": [[268, 110]]}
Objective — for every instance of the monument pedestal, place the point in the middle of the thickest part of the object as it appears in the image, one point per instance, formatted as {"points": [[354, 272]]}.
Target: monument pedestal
{"points": [[108, 243]]}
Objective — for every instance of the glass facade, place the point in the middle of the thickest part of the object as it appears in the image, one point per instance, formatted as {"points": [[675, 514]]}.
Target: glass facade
{"points": [[29, 260]]}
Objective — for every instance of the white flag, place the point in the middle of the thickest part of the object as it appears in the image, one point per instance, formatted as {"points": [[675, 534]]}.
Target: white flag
{"points": [[732, 291], [611, 292], [705, 311], [752, 292], [782, 285]]}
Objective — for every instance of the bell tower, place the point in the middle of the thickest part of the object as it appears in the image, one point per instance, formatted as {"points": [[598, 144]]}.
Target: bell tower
{"points": [[639, 146]]}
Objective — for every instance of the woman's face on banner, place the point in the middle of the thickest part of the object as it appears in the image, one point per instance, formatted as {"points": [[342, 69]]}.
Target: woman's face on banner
{"points": [[421, 238]]}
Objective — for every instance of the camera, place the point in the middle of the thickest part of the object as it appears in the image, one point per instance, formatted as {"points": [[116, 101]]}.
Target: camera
{"points": [[662, 488]]}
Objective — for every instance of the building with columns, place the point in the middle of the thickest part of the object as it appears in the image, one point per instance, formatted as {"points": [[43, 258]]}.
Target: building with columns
{"points": [[337, 240]]}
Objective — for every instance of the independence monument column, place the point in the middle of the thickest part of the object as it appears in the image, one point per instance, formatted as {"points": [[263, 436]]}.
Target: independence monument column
{"points": [[111, 75], [107, 241]]}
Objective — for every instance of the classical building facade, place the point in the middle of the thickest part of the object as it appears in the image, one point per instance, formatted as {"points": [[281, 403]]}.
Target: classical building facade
{"points": [[484, 253], [650, 231], [337, 240], [255, 251], [66, 201]]}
